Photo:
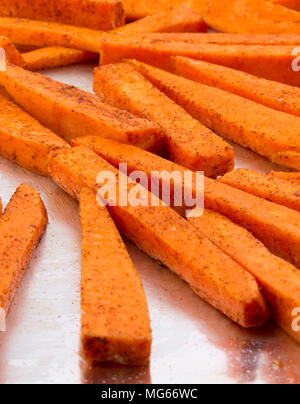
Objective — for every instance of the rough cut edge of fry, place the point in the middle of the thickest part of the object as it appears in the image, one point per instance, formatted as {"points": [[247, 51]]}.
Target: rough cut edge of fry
{"points": [[71, 112], [23, 140], [21, 227], [22, 31], [95, 14], [270, 62], [270, 188], [290, 159], [251, 16], [279, 280], [275, 225], [220, 38], [115, 323], [188, 142], [55, 56], [272, 94], [165, 236], [11, 52], [290, 177], [177, 19], [247, 123]]}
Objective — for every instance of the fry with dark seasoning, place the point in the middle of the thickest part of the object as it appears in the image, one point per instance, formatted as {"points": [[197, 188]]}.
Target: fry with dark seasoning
{"points": [[115, 323], [294, 178], [165, 236], [71, 112], [188, 142], [259, 128], [12, 55], [95, 14], [22, 225], [23, 140], [275, 225], [270, 188]]}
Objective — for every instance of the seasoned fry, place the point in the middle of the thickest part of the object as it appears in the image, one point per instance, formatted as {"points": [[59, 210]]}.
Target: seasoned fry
{"points": [[272, 94], [136, 10], [115, 324], [164, 235], [293, 4], [11, 52], [270, 188], [96, 14], [221, 38], [41, 34], [270, 62], [251, 17], [50, 57], [275, 225], [247, 123], [290, 159], [24, 140], [279, 280], [291, 177], [71, 112], [21, 228], [189, 143], [178, 19]]}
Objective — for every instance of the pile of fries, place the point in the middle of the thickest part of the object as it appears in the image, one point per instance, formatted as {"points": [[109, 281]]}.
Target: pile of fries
{"points": [[176, 80]]}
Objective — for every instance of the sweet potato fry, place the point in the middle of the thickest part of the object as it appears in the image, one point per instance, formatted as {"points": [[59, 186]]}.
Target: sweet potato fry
{"points": [[21, 228], [272, 94], [270, 62], [293, 4], [270, 188], [279, 280], [294, 178], [41, 34], [136, 10], [289, 159], [188, 142], [115, 323], [221, 38], [245, 122], [275, 225], [164, 235], [24, 140], [178, 19], [251, 16], [11, 52], [70, 112], [96, 14], [50, 57]]}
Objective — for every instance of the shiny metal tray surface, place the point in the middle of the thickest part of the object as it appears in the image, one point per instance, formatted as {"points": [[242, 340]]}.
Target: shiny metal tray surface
{"points": [[192, 342]]}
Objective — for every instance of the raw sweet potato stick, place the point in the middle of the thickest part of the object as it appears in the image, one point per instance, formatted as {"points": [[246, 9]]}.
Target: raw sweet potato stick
{"points": [[165, 236], [24, 140], [272, 94], [279, 280], [275, 225], [261, 129], [189, 143], [71, 112], [21, 228], [115, 324], [251, 16], [270, 62], [270, 188], [96, 14], [55, 56]]}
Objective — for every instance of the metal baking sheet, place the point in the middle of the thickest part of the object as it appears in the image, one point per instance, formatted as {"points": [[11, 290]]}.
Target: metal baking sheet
{"points": [[192, 342]]}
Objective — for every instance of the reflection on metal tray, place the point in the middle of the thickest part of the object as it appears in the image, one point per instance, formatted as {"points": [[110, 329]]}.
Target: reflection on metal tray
{"points": [[192, 342]]}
